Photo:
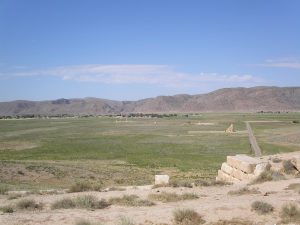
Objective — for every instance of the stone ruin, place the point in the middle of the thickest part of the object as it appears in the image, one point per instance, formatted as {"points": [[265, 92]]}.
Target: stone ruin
{"points": [[230, 129], [240, 167], [245, 168], [161, 179]]}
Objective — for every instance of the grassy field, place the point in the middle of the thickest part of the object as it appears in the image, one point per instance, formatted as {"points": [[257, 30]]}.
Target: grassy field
{"points": [[57, 152]]}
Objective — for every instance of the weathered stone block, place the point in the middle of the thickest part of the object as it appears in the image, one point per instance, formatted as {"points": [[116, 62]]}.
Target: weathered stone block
{"points": [[161, 179], [244, 163], [239, 174], [226, 168], [225, 177], [259, 168]]}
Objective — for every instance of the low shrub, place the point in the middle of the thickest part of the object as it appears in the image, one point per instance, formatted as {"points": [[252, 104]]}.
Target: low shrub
{"points": [[207, 183], [86, 201], [7, 209], [290, 213], [3, 189], [244, 191], [276, 160], [28, 204], [180, 183], [130, 200], [84, 186], [235, 221], [14, 196], [125, 221], [262, 207], [65, 203], [187, 217], [116, 189], [172, 197], [90, 202], [268, 175]]}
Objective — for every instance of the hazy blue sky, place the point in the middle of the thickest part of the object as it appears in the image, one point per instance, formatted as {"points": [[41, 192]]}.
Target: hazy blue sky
{"points": [[126, 49]]}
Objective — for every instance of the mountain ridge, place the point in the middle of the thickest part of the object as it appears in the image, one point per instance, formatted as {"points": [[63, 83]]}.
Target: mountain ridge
{"points": [[222, 100]]}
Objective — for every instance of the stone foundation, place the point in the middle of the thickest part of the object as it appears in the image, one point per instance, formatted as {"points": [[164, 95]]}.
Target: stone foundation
{"points": [[246, 168]]}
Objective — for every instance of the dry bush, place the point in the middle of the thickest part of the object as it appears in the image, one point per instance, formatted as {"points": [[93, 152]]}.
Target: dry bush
{"points": [[244, 191], [65, 203], [187, 217], [207, 183], [130, 200], [29, 204], [181, 183], [3, 189], [172, 197], [262, 207], [86, 201], [7, 209], [234, 221], [84, 186], [14, 196], [290, 213], [116, 189], [125, 221], [276, 160], [268, 175], [90, 202], [83, 222]]}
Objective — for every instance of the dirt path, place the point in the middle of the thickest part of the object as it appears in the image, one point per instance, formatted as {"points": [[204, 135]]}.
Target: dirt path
{"points": [[254, 145]]}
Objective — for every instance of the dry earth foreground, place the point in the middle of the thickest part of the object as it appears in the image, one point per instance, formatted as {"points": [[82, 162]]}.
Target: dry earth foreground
{"points": [[265, 190]]}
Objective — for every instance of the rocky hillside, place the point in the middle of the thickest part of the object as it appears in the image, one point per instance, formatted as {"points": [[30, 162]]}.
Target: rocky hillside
{"points": [[223, 100]]}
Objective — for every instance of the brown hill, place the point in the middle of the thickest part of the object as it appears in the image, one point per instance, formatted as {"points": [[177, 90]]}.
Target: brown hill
{"points": [[223, 100]]}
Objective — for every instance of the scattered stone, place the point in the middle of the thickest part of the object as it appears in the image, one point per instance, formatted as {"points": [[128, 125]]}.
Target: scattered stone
{"points": [[161, 179]]}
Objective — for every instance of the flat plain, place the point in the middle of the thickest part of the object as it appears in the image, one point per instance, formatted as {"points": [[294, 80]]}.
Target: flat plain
{"points": [[56, 153]]}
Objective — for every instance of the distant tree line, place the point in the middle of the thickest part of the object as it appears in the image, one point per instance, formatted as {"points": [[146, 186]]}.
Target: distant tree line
{"points": [[274, 112], [130, 115]]}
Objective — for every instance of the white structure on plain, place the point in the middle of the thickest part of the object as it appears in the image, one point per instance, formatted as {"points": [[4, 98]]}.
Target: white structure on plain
{"points": [[161, 179]]}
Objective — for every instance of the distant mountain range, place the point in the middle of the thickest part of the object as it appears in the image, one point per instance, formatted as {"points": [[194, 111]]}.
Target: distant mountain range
{"points": [[222, 100]]}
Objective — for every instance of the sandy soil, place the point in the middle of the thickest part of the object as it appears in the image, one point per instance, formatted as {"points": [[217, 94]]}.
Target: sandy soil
{"points": [[214, 204]]}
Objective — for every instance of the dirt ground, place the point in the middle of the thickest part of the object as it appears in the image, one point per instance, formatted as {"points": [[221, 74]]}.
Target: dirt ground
{"points": [[214, 203]]}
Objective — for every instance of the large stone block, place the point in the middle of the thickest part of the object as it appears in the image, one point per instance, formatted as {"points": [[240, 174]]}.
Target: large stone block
{"points": [[244, 163], [161, 179], [259, 168], [239, 174], [226, 168], [225, 177]]}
